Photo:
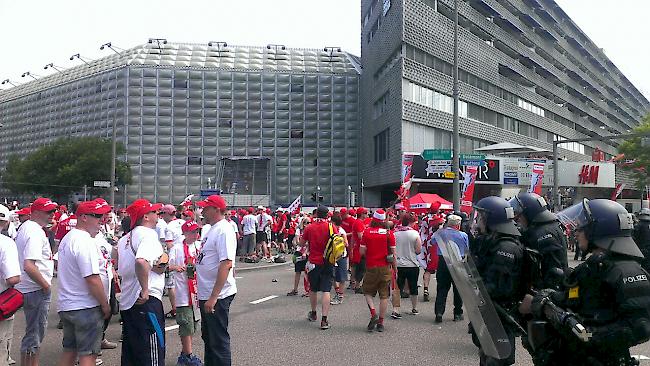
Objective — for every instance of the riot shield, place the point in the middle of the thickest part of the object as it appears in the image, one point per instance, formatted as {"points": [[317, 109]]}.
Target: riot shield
{"points": [[480, 309]]}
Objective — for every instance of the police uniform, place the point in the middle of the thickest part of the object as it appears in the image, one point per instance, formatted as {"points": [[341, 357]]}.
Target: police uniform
{"points": [[549, 240], [641, 235]]}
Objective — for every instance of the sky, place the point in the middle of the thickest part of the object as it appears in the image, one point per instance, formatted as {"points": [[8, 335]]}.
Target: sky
{"points": [[34, 33]]}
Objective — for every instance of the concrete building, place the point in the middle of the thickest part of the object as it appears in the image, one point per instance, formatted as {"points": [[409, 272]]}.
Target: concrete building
{"points": [[264, 124], [528, 75]]}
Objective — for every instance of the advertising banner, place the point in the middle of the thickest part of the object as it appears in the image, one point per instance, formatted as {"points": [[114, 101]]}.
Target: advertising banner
{"points": [[617, 191], [467, 194], [536, 178]]}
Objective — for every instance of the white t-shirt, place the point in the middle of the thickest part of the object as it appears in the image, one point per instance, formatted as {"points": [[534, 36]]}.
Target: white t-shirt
{"points": [[144, 243], [221, 244], [405, 242], [78, 259], [9, 266], [204, 231], [345, 235], [177, 258], [32, 243], [234, 226], [248, 224], [173, 232], [264, 221], [105, 265], [161, 228]]}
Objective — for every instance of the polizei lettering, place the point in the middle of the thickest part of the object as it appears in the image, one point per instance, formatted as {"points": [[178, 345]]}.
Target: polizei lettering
{"points": [[506, 254], [636, 278]]}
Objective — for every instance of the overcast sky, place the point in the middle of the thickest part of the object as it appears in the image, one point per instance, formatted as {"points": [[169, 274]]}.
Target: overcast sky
{"points": [[34, 33]]}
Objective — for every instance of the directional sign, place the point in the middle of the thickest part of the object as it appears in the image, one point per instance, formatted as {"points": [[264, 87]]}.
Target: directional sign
{"points": [[210, 192], [436, 154], [472, 156], [449, 175], [102, 183]]}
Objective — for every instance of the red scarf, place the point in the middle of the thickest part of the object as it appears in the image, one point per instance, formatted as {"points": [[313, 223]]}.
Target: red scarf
{"points": [[191, 283]]}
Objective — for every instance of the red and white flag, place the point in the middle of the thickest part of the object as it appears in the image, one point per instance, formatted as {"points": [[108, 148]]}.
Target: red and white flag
{"points": [[617, 191], [295, 205], [536, 179], [469, 179], [187, 201]]}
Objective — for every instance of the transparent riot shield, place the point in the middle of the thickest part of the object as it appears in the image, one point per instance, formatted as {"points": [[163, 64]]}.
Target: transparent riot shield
{"points": [[485, 320]]}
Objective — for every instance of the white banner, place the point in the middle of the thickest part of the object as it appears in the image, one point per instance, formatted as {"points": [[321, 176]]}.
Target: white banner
{"points": [[295, 205]]}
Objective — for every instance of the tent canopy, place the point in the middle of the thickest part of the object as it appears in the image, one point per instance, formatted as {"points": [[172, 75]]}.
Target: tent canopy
{"points": [[422, 202]]}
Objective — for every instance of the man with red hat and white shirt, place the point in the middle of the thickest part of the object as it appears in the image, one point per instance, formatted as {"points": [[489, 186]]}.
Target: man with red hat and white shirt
{"points": [[37, 266], [82, 303], [173, 236], [216, 281], [182, 265], [141, 263], [378, 246]]}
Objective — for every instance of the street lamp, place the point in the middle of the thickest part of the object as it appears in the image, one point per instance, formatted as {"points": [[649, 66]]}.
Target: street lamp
{"points": [[455, 137], [158, 41], [27, 73], [7, 81], [108, 45], [52, 66], [76, 55], [330, 51]]}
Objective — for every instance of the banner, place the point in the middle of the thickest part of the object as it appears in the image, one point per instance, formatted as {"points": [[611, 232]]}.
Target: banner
{"points": [[407, 173], [467, 194], [617, 191], [536, 179], [295, 206]]}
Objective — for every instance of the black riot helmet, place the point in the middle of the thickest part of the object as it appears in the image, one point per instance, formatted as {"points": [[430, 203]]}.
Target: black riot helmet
{"points": [[497, 215], [606, 224], [532, 206], [644, 214]]}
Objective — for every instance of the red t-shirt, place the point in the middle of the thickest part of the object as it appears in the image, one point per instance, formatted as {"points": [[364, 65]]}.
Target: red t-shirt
{"points": [[357, 227], [65, 226], [377, 240], [317, 234]]}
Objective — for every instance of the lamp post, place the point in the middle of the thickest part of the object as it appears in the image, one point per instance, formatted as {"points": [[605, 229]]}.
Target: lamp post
{"points": [[27, 73], [455, 135], [110, 46], [76, 55], [7, 81], [52, 66]]}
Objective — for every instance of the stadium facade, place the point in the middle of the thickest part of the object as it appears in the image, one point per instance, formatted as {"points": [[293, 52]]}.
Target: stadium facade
{"points": [[528, 75], [264, 124]]}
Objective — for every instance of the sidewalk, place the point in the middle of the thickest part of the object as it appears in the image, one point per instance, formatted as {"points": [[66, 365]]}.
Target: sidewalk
{"points": [[243, 266]]}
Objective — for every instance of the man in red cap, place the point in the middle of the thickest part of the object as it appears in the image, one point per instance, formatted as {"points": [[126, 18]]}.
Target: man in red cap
{"points": [[430, 225], [37, 266], [173, 236], [182, 265], [378, 246], [82, 303], [141, 263], [216, 282]]}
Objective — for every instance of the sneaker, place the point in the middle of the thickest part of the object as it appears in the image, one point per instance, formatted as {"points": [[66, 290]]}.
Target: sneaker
{"points": [[458, 317], [358, 290], [183, 360], [195, 361], [380, 327], [98, 361], [438, 319], [292, 293], [108, 345], [340, 298], [11, 361], [404, 295], [311, 316], [324, 324], [373, 322], [395, 315], [426, 296], [336, 300], [415, 312]]}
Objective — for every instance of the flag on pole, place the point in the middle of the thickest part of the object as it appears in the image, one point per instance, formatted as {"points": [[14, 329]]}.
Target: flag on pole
{"points": [[187, 201], [617, 191], [536, 178], [469, 179], [293, 207]]}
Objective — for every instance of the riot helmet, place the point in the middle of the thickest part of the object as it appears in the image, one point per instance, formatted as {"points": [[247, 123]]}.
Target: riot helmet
{"points": [[606, 224], [644, 214], [532, 206], [497, 215]]}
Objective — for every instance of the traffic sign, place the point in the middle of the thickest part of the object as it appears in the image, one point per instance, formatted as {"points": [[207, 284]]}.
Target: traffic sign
{"points": [[449, 174], [472, 156], [436, 154], [102, 183]]}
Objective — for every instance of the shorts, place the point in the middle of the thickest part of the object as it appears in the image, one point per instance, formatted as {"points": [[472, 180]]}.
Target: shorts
{"points": [[290, 239], [279, 236], [320, 278], [377, 280], [36, 305], [260, 236], [82, 331], [341, 270], [185, 319], [432, 262], [248, 244], [408, 275], [300, 266], [169, 280]]}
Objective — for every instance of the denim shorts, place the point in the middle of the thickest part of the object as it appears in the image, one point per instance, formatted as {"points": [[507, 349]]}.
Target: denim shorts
{"points": [[36, 305], [82, 331], [341, 270]]}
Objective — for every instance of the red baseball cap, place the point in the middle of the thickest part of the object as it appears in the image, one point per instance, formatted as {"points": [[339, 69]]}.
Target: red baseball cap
{"points": [[362, 210], [215, 201], [352, 212], [102, 202], [343, 211], [139, 208], [251, 210], [189, 213], [24, 211], [190, 226], [92, 207], [43, 204]]}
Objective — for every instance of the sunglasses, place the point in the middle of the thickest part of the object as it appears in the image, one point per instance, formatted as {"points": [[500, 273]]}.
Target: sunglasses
{"points": [[50, 212], [97, 216]]}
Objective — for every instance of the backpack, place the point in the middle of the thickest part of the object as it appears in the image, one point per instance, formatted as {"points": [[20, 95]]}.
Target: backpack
{"points": [[335, 247]]}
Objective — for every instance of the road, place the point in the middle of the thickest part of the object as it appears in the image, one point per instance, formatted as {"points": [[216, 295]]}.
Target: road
{"points": [[276, 331]]}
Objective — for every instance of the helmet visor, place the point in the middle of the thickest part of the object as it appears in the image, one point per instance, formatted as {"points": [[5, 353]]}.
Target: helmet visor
{"points": [[516, 205], [577, 216]]}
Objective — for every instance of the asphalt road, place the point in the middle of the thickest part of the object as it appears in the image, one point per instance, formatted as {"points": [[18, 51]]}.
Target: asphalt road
{"points": [[276, 331]]}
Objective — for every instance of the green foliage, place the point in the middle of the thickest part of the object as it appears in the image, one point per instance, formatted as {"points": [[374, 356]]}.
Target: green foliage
{"points": [[65, 167], [635, 149]]}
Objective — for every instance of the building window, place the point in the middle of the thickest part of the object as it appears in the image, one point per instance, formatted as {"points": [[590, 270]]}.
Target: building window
{"points": [[382, 145], [432, 99], [180, 84], [432, 3], [296, 134], [531, 107], [380, 106], [386, 7], [193, 160]]}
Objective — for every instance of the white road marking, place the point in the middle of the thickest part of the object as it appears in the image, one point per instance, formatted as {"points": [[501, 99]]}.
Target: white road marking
{"points": [[263, 299], [171, 327], [641, 357], [238, 277]]}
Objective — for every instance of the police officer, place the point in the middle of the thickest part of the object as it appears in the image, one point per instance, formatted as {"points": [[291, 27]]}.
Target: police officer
{"points": [[499, 261], [641, 235], [605, 309], [542, 232]]}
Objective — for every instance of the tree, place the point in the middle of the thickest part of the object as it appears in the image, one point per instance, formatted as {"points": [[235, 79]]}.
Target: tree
{"points": [[65, 167], [637, 153]]}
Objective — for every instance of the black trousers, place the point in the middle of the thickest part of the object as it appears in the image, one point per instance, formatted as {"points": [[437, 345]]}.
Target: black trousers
{"points": [[214, 331], [144, 334], [444, 282]]}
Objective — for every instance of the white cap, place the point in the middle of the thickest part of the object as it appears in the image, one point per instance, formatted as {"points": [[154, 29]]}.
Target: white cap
{"points": [[4, 213], [260, 207]]}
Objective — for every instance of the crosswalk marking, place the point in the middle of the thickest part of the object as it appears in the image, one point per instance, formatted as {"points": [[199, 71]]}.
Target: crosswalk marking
{"points": [[263, 299], [171, 327]]}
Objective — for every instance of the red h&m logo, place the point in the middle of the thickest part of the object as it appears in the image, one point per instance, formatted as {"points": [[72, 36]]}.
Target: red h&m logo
{"points": [[588, 174]]}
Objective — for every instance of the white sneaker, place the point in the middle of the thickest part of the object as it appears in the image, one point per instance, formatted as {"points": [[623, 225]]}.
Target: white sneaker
{"points": [[99, 362]]}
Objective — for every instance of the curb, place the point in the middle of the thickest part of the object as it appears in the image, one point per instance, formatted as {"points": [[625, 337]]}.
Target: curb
{"points": [[268, 266]]}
